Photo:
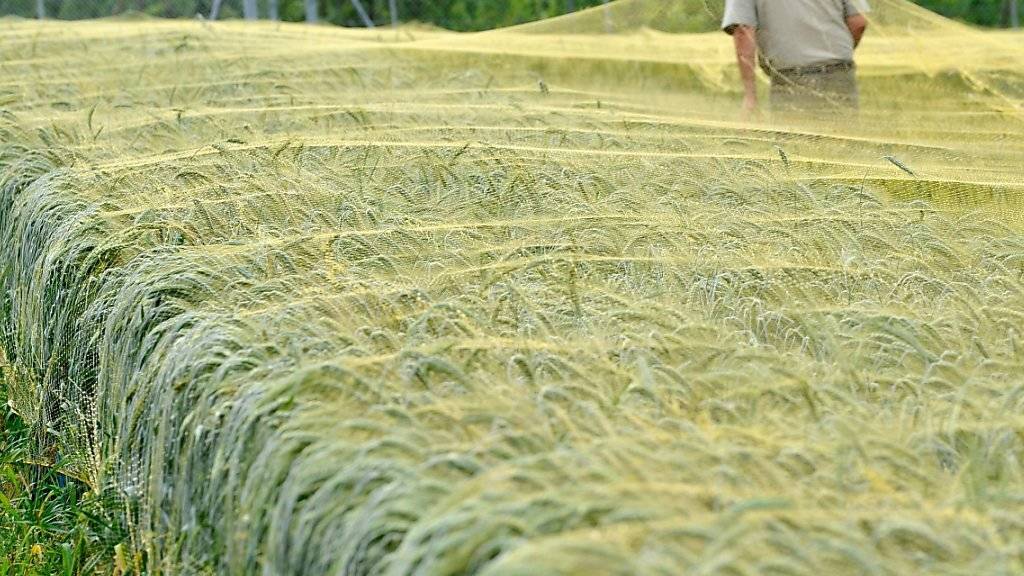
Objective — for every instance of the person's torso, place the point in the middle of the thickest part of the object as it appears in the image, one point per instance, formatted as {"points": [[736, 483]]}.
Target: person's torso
{"points": [[794, 33]]}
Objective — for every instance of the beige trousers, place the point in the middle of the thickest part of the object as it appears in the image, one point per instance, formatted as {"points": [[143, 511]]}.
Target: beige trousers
{"points": [[817, 91]]}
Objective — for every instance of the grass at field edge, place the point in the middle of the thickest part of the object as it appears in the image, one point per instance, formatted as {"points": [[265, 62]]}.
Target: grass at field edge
{"points": [[49, 524]]}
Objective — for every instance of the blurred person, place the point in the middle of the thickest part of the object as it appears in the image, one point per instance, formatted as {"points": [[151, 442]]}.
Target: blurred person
{"points": [[804, 46]]}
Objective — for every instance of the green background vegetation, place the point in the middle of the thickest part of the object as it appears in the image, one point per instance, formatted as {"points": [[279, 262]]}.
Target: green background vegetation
{"points": [[454, 14]]}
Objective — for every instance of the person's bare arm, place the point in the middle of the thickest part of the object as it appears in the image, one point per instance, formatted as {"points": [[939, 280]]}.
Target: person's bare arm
{"points": [[745, 39], [857, 24]]}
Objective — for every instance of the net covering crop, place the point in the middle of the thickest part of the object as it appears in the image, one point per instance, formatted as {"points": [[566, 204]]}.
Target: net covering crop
{"points": [[530, 301]]}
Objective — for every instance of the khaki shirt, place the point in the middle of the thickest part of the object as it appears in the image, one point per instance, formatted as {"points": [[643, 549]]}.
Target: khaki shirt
{"points": [[795, 33]]}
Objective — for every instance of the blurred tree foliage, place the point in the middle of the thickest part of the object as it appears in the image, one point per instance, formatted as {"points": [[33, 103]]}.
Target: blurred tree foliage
{"points": [[984, 12], [454, 14]]}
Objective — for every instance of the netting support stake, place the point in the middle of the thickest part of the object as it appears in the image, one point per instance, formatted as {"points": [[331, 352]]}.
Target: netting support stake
{"points": [[311, 11], [363, 15], [609, 25], [393, 11], [215, 9], [273, 12], [249, 10], [41, 9]]}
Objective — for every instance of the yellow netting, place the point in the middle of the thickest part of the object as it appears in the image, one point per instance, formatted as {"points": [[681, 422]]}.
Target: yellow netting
{"points": [[529, 301]]}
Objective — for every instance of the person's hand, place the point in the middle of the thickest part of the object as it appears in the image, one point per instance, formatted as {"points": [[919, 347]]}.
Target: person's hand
{"points": [[749, 111]]}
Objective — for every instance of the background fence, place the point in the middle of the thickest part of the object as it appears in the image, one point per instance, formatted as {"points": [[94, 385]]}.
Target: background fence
{"points": [[453, 14]]}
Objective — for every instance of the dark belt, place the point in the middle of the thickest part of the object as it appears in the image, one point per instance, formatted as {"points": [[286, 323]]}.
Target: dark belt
{"points": [[814, 69]]}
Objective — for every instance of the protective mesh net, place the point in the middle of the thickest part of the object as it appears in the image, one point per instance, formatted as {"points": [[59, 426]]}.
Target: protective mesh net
{"points": [[529, 301]]}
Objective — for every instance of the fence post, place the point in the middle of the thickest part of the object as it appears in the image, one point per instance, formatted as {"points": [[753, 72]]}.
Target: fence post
{"points": [[40, 9], [215, 9], [362, 13], [311, 11], [393, 12], [249, 11], [1014, 14], [272, 10]]}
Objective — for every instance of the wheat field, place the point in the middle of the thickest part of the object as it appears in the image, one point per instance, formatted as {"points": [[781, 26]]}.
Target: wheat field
{"points": [[533, 301]]}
